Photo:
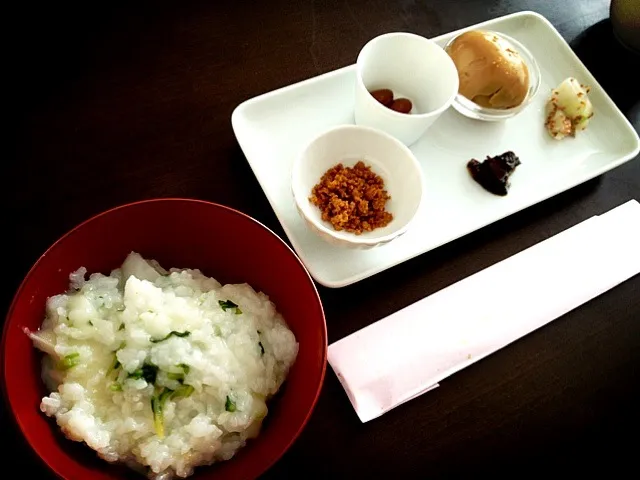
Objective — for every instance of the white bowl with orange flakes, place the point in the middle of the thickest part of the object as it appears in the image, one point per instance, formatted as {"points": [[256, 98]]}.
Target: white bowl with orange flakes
{"points": [[357, 186]]}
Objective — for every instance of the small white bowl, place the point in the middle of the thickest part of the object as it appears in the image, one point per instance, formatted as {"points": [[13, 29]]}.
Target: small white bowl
{"points": [[387, 157], [413, 67]]}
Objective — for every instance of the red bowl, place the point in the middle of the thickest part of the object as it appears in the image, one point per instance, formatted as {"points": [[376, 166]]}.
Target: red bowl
{"points": [[224, 244]]}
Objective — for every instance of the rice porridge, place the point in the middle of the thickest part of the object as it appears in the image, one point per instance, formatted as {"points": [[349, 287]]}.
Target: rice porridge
{"points": [[161, 370]]}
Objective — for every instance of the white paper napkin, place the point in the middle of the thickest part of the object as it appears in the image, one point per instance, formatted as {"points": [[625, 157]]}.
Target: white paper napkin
{"points": [[407, 353]]}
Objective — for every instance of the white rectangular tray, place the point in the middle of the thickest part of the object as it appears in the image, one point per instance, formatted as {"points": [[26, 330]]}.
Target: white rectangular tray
{"points": [[273, 128]]}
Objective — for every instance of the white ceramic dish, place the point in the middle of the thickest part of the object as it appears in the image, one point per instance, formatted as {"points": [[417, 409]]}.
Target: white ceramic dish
{"points": [[273, 128], [387, 157], [432, 83]]}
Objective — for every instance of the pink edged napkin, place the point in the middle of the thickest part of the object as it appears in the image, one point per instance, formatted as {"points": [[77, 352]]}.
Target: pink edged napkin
{"points": [[407, 353]]}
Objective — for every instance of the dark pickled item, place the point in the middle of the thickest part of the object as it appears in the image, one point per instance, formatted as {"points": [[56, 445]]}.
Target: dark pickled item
{"points": [[494, 172], [401, 105], [384, 96]]}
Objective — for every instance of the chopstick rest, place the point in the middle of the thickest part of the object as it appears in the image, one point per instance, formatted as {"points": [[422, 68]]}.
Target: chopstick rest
{"points": [[407, 353]]}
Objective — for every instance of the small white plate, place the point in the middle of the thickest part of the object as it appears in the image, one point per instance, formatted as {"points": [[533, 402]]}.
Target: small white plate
{"points": [[273, 128]]}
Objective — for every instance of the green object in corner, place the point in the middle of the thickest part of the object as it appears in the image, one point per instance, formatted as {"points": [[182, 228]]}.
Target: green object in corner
{"points": [[625, 20]]}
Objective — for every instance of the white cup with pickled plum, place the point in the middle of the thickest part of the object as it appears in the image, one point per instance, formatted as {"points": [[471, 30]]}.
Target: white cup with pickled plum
{"points": [[404, 83]]}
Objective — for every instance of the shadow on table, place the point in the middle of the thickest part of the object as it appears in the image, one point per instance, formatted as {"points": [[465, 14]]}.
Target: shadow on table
{"points": [[612, 64]]}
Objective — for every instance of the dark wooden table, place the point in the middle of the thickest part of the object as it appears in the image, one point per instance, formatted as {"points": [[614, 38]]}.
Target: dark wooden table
{"points": [[111, 103]]}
